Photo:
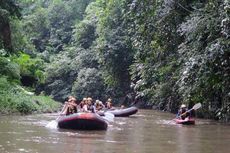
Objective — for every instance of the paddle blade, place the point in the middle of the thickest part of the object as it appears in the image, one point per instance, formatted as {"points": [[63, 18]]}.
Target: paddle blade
{"points": [[109, 116], [196, 106]]}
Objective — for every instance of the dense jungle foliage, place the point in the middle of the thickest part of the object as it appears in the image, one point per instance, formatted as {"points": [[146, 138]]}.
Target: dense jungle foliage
{"points": [[151, 53], [18, 68]]}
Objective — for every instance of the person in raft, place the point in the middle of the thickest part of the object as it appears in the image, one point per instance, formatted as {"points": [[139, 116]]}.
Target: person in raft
{"points": [[182, 112], [91, 107], [70, 106], [82, 103], [108, 103], [88, 106], [122, 107], [99, 105]]}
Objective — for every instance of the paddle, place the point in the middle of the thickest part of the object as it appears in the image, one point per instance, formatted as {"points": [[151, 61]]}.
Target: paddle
{"points": [[195, 107], [109, 116], [53, 124]]}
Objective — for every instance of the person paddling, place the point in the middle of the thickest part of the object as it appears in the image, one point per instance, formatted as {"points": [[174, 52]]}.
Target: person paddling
{"points": [[183, 112], [70, 106], [91, 107], [99, 105], [108, 103], [82, 103], [88, 106]]}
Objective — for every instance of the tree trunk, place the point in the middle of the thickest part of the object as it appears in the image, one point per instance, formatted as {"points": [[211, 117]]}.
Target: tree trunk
{"points": [[5, 34]]}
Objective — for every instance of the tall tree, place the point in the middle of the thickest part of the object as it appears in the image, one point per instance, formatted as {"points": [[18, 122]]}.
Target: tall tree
{"points": [[115, 49], [8, 9]]}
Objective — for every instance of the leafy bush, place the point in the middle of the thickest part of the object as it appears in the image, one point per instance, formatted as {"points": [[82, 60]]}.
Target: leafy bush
{"points": [[24, 106], [9, 69], [15, 100], [33, 67]]}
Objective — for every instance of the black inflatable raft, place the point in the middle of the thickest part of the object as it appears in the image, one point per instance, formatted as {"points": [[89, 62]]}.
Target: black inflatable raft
{"points": [[82, 121], [121, 112]]}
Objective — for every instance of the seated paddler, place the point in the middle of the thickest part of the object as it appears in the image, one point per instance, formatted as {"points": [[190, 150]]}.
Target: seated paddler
{"points": [[70, 106], [183, 112]]}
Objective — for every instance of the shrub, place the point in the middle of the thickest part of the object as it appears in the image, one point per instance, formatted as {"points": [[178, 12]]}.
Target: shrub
{"points": [[9, 69]]}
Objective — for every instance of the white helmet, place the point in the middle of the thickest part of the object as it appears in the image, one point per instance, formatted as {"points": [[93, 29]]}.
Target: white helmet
{"points": [[183, 106]]}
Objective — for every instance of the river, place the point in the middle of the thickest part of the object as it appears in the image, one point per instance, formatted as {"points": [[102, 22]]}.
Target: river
{"points": [[146, 132]]}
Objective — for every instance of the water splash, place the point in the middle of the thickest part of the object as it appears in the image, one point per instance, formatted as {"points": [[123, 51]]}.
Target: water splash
{"points": [[166, 122], [121, 123], [52, 124]]}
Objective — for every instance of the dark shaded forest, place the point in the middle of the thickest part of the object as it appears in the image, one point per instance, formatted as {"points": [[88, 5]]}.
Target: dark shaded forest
{"points": [[150, 53]]}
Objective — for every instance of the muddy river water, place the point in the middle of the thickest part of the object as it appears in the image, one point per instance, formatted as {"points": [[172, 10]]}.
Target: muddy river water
{"points": [[146, 132]]}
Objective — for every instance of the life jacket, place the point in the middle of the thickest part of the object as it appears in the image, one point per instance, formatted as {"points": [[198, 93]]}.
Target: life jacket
{"points": [[71, 110], [180, 112], [91, 108]]}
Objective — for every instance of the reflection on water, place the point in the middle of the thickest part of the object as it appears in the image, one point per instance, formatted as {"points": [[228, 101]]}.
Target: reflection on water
{"points": [[146, 132]]}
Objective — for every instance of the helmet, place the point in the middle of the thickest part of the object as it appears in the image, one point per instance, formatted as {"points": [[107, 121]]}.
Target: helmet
{"points": [[110, 100], [183, 106], [70, 98], [89, 99], [73, 99]]}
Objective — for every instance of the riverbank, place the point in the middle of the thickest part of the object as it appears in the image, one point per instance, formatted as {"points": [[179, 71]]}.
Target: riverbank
{"points": [[24, 104], [14, 99]]}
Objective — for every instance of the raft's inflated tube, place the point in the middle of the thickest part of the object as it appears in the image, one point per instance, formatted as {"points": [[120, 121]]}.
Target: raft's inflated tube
{"points": [[82, 121], [121, 112], [190, 121]]}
